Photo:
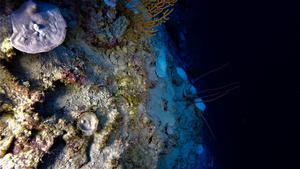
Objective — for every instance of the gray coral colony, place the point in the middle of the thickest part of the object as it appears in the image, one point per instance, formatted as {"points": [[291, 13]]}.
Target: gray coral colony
{"points": [[37, 27]]}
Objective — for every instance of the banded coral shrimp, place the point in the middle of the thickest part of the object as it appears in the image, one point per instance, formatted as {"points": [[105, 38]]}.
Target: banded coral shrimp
{"points": [[198, 99]]}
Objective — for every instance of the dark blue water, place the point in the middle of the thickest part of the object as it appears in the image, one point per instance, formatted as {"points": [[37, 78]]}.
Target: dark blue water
{"points": [[256, 126]]}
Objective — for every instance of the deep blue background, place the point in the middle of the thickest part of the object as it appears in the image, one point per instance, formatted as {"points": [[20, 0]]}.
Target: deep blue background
{"points": [[256, 126]]}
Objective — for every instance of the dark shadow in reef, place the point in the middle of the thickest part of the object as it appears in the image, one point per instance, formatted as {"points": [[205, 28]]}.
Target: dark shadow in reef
{"points": [[48, 107], [4, 99], [14, 66], [50, 158]]}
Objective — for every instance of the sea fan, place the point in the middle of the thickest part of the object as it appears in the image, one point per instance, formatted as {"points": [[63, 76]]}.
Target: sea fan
{"points": [[153, 12]]}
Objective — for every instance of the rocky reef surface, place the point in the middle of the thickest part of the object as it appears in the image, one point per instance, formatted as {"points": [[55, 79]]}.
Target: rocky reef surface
{"points": [[109, 97]]}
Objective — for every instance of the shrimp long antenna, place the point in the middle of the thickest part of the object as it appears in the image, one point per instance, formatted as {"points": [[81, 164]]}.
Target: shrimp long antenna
{"points": [[218, 88], [206, 101], [221, 95], [216, 93], [207, 125], [209, 95], [210, 72]]}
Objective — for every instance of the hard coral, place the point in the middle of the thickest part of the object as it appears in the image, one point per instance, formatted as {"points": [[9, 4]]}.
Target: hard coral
{"points": [[7, 48], [37, 27]]}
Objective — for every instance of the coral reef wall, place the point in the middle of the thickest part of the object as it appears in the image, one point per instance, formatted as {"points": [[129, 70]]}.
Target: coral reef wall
{"points": [[108, 97]]}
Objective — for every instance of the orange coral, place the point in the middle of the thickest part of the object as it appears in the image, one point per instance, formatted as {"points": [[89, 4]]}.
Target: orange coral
{"points": [[155, 13]]}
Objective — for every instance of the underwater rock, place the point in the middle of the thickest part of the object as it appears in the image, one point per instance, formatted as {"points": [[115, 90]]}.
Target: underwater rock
{"points": [[37, 27]]}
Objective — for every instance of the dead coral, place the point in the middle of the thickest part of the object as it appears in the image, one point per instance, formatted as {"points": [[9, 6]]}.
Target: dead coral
{"points": [[22, 99], [27, 153]]}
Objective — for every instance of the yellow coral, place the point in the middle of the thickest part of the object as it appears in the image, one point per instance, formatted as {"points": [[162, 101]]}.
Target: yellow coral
{"points": [[5, 144], [7, 48], [130, 87], [155, 13], [6, 136]]}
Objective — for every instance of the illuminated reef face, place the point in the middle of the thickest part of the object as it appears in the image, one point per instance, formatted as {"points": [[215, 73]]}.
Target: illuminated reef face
{"points": [[96, 101]]}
